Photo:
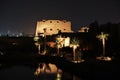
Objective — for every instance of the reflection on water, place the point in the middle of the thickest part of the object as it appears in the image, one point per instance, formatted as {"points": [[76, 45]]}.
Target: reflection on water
{"points": [[49, 69], [43, 71], [46, 68]]}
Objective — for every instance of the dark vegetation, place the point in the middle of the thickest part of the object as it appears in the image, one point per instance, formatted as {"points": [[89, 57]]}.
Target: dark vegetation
{"points": [[25, 45], [21, 50]]}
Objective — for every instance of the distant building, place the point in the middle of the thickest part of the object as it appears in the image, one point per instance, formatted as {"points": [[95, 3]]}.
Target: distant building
{"points": [[84, 29], [50, 27]]}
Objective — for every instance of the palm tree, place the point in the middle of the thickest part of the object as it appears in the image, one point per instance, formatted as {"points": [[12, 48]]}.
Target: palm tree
{"points": [[38, 42], [58, 44], [45, 30], [74, 44], [103, 37]]}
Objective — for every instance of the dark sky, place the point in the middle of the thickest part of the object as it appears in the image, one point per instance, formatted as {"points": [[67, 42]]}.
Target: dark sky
{"points": [[22, 15]]}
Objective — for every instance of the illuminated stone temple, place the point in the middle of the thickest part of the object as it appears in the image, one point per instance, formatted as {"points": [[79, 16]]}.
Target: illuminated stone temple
{"points": [[84, 29], [51, 27]]}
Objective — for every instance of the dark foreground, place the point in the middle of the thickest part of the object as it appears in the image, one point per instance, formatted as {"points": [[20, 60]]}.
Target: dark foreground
{"points": [[91, 69]]}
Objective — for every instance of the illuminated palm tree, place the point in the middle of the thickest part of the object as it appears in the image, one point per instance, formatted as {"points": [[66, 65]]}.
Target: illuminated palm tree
{"points": [[58, 44], [38, 42], [74, 44], [103, 37]]}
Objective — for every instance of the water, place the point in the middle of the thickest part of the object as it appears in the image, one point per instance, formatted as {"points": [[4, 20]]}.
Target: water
{"points": [[41, 71]]}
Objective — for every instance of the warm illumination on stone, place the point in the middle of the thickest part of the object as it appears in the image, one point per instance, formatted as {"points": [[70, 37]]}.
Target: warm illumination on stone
{"points": [[84, 29], [53, 26], [64, 41], [51, 44]]}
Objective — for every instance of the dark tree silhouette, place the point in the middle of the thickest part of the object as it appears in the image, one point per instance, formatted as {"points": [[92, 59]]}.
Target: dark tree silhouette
{"points": [[94, 27]]}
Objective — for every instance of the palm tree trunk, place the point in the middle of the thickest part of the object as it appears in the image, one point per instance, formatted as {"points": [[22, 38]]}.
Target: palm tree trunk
{"points": [[73, 53], [45, 44], [39, 49], [103, 42], [58, 51]]}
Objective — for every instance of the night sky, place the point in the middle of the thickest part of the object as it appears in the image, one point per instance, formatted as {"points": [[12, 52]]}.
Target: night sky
{"points": [[22, 15]]}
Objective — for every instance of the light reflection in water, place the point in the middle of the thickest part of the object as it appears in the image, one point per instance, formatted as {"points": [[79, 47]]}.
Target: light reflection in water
{"points": [[44, 71], [49, 69]]}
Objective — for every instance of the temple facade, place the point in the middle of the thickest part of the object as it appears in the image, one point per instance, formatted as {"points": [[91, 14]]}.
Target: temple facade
{"points": [[84, 29], [50, 27]]}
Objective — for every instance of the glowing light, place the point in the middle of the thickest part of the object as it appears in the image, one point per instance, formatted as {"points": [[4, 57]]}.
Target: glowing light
{"points": [[37, 72], [104, 58], [64, 42], [37, 42], [78, 61], [59, 74], [74, 44], [102, 37], [36, 38]]}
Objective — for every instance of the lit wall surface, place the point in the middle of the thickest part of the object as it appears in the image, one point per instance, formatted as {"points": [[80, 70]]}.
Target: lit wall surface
{"points": [[53, 26]]}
